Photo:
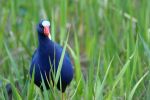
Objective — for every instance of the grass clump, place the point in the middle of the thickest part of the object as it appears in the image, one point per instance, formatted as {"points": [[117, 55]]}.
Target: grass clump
{"points": [[108, 43]]}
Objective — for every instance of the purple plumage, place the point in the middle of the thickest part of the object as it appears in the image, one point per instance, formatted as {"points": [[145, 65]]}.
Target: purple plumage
{"points": [[46, 59]]}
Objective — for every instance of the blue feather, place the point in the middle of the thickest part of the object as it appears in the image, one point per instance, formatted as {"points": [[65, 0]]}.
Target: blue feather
{"points": [[47, 56]]}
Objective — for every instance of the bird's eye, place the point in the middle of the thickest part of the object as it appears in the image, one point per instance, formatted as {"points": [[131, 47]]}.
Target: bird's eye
{"points": [[40, 25]]}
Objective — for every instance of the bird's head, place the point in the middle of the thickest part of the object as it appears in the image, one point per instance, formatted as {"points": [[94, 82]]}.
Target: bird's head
{"points": [[43, 28]]}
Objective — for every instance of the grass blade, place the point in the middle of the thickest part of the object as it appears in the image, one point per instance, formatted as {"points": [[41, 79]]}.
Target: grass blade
{"points": [[99, 91], [61, 61], [12, 61], [31, 87], [76, 89], [136, 85], [120, 75]]}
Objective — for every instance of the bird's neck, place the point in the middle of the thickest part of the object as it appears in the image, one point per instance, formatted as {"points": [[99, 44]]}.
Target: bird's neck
{"points": [[44, 42]]}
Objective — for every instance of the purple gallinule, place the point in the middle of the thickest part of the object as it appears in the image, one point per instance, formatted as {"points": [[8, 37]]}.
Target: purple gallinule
{"points": [[46, 58]]}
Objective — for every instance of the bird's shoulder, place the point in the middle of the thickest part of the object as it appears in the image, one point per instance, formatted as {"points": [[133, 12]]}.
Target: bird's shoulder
{"points": [[35, 56], [60, 49]]}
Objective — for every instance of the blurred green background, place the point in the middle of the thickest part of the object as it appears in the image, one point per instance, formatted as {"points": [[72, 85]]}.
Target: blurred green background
{"points": [[109, 43]]}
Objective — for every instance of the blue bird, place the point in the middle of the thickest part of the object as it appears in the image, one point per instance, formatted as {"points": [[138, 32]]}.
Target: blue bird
{"points": [[46, 58]]}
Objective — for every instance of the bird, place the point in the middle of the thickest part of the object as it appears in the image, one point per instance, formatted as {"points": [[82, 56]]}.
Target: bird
{"points": [[46, 58]]}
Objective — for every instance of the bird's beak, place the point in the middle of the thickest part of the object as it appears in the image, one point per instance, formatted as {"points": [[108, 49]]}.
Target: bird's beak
{"points": [[46, 31]]}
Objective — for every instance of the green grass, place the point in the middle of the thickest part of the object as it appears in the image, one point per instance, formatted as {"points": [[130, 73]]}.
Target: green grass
{"points": [[109, 44]]}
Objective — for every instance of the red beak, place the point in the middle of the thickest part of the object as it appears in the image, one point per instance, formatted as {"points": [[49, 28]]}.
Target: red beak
{"points": [[46, 30]]}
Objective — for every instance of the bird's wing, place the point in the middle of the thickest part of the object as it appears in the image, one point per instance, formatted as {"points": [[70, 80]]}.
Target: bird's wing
{"points": [[34, 54], [66, 53]]}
